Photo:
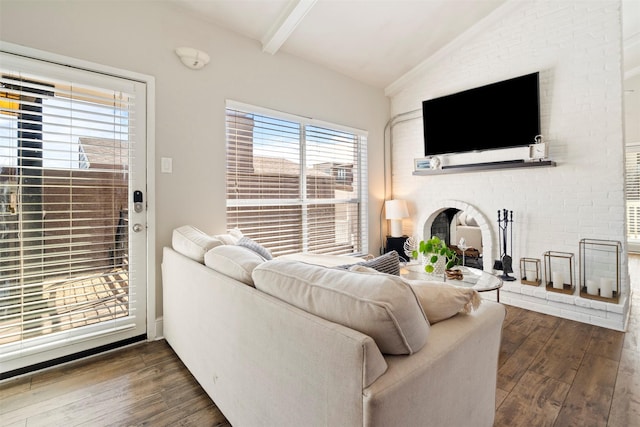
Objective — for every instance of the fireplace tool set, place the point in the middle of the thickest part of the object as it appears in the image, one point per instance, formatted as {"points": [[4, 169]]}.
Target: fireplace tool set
{"points": [[505, 263]]}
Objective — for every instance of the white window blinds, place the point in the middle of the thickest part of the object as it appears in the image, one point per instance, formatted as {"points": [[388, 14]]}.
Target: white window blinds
{"points": [[632, 191], [66, 138], [294, 184]]}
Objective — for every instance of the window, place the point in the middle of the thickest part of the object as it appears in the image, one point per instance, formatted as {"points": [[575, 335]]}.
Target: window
{"points": [[632, 191], [296, 184]]}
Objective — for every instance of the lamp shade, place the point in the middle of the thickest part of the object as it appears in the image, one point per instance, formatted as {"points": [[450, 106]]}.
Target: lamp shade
{"points": [[396, 209]]}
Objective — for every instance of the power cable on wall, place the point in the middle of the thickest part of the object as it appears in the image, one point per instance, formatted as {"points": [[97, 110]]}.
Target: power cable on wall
{"points": [[393, 121]]}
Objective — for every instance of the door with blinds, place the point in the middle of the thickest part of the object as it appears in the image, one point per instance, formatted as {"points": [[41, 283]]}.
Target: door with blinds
{"points": [[72, 268]]}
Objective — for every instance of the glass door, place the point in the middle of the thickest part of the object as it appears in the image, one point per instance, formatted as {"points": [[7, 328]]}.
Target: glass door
{"points": [[72, 152]]}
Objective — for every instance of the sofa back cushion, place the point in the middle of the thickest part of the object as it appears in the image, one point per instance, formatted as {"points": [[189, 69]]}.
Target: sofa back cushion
{"points": [[193, 243], [234, 261], [381, 306]]}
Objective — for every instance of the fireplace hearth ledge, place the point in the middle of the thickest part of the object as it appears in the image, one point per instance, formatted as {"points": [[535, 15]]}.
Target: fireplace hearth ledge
{"points": [[572, 307]]}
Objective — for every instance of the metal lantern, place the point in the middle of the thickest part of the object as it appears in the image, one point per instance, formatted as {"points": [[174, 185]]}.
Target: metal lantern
{"points": [[559, 271], [530, 273], [600, 269]]}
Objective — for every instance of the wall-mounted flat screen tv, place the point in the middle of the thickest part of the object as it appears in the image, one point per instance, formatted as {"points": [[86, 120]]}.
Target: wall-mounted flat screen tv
{"points": [[499, 115]]}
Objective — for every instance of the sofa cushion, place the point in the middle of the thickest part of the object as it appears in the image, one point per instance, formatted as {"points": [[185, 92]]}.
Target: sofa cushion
{"points": [[388, 263], [441, 301], [227, 239], [234, 261], [255, 246], [381, 306], [192, 243], [236, 233], [323, 260]]}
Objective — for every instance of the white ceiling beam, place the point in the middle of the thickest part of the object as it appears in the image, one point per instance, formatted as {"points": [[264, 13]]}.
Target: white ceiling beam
{"points": [[286, 23]]}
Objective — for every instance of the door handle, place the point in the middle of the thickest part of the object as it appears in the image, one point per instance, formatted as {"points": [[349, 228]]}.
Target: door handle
{"points": [[138, 228]]}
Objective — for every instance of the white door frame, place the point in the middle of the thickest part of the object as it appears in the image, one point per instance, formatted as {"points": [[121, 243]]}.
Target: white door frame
{"points": [[153, 324]]}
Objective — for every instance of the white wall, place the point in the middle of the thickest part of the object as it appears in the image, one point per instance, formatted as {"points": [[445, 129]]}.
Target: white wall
{"points": [[141, 37], [576, 47]]}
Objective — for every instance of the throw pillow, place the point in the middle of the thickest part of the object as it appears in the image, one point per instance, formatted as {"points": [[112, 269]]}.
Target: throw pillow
{"points": [[255, 246], [388, 263], [192, 243], [227, 239], [471, 221], [462, 218], [441, 301], [362, 269], [235, 232], [234, 261], [381, 306]]}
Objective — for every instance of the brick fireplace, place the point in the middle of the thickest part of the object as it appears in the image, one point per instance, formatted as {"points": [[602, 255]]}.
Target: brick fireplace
{"points": [[581, 115], [535, 298]]}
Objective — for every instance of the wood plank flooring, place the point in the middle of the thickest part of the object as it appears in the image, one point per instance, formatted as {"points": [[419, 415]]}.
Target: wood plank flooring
{"points": [[556, 372], [552, 372], [145, 384]]}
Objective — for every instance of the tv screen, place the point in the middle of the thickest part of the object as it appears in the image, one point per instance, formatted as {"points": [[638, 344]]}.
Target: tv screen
{"points": [[499, 115]]}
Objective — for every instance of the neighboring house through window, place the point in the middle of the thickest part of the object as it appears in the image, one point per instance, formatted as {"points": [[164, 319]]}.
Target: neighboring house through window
{"points": [[296, 184], [72, 142]]}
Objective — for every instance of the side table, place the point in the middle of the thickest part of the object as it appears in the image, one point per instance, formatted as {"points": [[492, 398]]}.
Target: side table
{"points": [[396, 244], [479, 280]]}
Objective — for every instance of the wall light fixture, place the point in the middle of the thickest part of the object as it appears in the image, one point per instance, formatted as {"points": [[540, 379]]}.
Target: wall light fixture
{"points": [[192, 58]]}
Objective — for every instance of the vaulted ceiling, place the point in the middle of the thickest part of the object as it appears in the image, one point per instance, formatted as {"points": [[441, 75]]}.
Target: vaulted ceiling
{"points": [[376, 42]]}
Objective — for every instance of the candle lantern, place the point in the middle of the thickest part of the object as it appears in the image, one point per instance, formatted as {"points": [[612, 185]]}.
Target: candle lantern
{"points": [[558, 271], [600, 269], [530, 273]]}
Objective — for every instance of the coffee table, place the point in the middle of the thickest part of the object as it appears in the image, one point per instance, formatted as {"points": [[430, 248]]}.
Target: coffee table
{"points": [[474, 278]]}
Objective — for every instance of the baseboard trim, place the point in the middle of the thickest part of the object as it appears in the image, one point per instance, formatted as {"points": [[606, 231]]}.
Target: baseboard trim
{"points": [[159, 329]]}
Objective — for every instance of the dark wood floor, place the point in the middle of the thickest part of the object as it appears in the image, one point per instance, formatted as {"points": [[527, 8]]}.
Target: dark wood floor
{"points": [[552, 372], [556, 372], [145, 384]]}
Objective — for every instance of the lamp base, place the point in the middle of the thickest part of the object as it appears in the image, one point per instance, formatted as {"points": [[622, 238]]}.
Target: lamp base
{"points": [[396, 227]]}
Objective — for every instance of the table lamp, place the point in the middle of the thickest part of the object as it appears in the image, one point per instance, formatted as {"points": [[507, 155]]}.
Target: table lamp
{"points": [[395, 211]]}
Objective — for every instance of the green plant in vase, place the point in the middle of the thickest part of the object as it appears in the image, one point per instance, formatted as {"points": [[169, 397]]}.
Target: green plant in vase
{"points": [[436, 252]]}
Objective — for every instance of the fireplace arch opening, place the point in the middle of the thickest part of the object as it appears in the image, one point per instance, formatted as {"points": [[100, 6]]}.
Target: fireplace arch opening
{"points": [[450, 211]]}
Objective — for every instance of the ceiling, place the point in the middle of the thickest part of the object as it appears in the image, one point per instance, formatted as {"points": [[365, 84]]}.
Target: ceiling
{"points": [[395, 37]]}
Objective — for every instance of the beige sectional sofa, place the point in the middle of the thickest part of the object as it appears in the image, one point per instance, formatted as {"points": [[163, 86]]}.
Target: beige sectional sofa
{"points": [[246, 329]]}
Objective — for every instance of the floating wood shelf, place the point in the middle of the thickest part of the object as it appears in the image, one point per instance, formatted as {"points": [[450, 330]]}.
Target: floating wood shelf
{"points": [[484, 167]]}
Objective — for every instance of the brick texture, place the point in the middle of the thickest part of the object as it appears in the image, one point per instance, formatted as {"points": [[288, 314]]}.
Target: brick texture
{"points": [[576, 47]]}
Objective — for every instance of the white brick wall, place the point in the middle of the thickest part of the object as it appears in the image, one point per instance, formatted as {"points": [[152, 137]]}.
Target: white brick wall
{"points": [[576, 47]]}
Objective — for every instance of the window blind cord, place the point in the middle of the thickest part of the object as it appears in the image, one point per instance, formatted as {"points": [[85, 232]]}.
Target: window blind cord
{"points": [[391, 123]]}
